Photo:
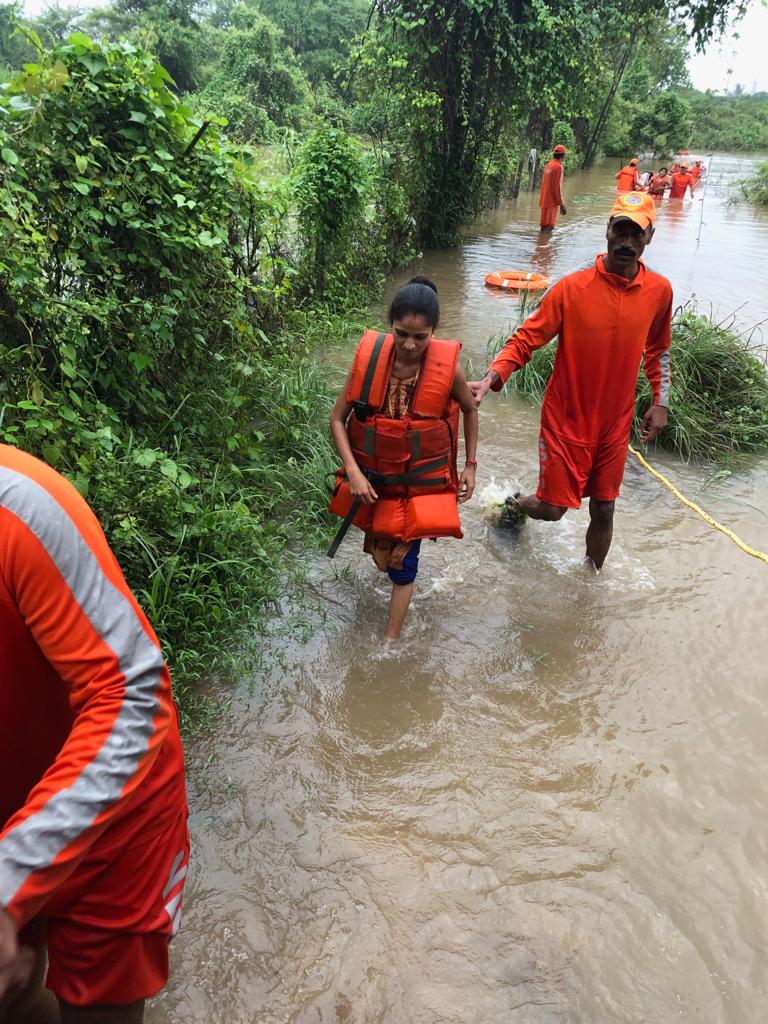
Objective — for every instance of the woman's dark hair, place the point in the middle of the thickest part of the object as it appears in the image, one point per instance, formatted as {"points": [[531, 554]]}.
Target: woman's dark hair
{"points": [[663, 170], [418, 298]]}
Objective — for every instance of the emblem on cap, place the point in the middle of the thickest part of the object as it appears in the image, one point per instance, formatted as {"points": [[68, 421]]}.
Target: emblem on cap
{"points": [[633, 200]]}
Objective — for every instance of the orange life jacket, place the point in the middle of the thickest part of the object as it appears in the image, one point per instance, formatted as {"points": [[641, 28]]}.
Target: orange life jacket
{"points": [[627, 178], [411, 462]]}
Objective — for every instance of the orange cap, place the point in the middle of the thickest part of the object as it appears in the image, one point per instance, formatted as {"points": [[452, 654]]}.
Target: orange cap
{"points": [[635, 206], [559, 148], [633, 160], [684, 166]]}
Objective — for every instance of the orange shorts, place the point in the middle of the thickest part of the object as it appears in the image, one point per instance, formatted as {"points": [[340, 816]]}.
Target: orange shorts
{"points": [[569, 471], [110, 924]]}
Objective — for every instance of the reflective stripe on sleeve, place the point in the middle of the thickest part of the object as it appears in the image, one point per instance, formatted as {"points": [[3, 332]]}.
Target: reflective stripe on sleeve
{"points": [[37, 841]]}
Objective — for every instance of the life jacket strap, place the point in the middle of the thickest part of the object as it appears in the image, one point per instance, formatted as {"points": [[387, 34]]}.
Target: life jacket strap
{"points": [[360, 406], [412, 478]]}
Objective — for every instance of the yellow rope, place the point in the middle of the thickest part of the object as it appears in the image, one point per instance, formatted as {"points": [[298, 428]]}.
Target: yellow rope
{"points": [[700, 511]]}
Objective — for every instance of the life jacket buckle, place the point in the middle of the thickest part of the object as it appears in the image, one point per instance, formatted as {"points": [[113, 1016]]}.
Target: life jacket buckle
{"points": [[360, 410]]}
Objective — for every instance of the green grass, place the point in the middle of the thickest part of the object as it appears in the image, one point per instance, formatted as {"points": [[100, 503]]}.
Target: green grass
{"points": [[719, 396], [755, 189]]}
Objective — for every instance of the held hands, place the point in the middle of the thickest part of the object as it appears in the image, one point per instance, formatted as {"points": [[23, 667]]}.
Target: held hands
{"points": [[479, 389], [653, 423], [466, 484], [360, 487]]}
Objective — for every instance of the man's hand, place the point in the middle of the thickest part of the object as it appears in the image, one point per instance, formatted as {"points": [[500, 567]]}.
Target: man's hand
{"points": [[15, 964], [653, 423], [563, 209], [466, 484], [480, 388]]}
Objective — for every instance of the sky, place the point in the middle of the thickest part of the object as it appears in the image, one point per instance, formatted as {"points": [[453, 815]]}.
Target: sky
{"points": [[745, 55], [742, 50]]}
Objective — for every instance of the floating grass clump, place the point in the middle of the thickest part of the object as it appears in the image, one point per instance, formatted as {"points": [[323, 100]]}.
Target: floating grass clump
{"points": [[719, 395]]}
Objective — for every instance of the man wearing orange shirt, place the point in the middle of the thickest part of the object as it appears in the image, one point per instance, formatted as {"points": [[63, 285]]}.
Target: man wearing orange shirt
{"points": [[681, 181], [628, 178], [608, 318], [93, 811], [551, 194]]}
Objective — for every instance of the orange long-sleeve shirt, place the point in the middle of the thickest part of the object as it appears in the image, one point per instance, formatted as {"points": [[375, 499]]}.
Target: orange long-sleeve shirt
{"points": [[628, 178], [606, 326], [89, 741], [681, 181], [551, 193]]}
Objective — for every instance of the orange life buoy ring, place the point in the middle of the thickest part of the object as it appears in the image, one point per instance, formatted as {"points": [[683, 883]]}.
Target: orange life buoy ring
{"points": [[518, 280]]}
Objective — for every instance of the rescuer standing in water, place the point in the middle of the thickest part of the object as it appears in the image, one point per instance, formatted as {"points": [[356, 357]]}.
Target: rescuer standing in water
{"points": [[628, 178], [682, 180], [395, 425], [551, 194], [607, 318]]}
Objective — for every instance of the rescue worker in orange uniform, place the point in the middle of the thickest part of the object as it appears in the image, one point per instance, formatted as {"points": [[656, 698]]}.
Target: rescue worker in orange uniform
{"points": [[681, 182], [607, 318], [93, 810], [551, 194], [395, 427], [659, 184], [696, 172], [628, 178]]}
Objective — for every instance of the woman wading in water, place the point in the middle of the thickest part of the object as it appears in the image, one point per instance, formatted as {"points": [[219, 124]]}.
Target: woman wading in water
{"points": [[395, 427]]}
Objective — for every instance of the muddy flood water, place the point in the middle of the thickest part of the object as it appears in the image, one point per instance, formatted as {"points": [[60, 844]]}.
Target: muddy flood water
{"points": [[549, 802]]}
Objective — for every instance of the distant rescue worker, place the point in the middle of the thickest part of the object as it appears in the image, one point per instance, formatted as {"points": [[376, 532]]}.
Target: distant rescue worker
{"points": [[660, 183], [628, 178], [93, 809], [697, 171], [607, 318], [395, 425], [681, 182], [551, 194]]}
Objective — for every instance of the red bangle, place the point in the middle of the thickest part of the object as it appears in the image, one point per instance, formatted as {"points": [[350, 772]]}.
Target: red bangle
{"points": [[470, 462]]}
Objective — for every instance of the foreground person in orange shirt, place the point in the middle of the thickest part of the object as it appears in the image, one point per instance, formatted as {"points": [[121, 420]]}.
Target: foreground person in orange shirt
{"points": [[93, 810], [551, 194], [608, 318]]}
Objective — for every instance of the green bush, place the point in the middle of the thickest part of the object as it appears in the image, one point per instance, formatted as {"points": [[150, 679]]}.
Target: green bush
{"points": [[718, 404], [136, 265], [755, 189]]}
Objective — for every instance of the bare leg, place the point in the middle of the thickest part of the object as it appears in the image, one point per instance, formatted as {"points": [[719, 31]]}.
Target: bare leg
{"points": [[537, 509], [398, 608], [132, 1013], [600, 532]]}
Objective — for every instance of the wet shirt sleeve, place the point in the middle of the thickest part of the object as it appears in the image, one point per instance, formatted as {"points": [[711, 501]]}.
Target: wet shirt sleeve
{"points": [[656, 355], [541, 327], [59, 572]]}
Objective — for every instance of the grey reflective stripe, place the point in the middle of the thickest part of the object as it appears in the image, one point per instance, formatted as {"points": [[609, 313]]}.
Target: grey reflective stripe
{"points": [[38, 840], [664, 382]]}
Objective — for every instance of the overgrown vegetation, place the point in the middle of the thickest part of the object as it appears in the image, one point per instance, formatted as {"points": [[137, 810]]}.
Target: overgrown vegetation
{"points": [[152, 339], [718, 405], [755, 189]]}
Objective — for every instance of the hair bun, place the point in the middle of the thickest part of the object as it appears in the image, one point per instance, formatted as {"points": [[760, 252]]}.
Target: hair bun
{"points": [[425, 281]]}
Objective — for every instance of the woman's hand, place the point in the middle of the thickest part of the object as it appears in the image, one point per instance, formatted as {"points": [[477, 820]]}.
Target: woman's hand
{"points": [[466, 484], [360, 487]]}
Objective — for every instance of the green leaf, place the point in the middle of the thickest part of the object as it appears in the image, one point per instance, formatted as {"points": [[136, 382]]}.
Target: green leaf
{"points": [[136, 115], [82, 187], [82, 163], [9, 156]]}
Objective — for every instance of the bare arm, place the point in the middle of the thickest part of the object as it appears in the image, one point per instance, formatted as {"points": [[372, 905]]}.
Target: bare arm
{"points": [[460, 391], [359, 486]]}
